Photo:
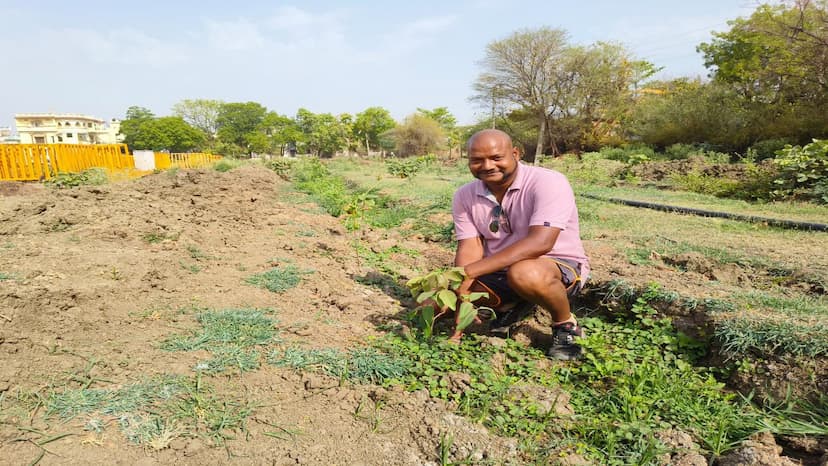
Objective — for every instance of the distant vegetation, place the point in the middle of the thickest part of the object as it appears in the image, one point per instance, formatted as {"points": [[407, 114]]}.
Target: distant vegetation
{"points": [[765, 99]]}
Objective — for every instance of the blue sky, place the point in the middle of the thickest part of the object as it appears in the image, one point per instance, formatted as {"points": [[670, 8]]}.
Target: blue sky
{"points": [[99, 58]]}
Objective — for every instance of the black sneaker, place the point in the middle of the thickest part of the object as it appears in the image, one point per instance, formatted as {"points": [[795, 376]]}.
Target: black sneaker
{"points": [[563, 342], [503, 322]]}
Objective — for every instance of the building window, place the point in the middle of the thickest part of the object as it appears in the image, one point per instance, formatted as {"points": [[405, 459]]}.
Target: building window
{"points": [[68, 135], [35, 123]]}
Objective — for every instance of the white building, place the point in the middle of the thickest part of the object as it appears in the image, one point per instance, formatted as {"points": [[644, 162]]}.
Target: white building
{"points": [[65, 128], [6, 136]]}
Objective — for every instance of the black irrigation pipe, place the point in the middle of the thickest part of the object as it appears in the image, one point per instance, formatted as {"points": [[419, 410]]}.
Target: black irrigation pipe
{"points": [[790, 224]]}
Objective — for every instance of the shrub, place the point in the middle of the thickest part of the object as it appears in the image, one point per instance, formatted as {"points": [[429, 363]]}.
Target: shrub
{"points": [[635, 153], [705, 184], [803, 171], [717, 157], [225, 165], [91, 176], [281, 166], [767, 148], [403, 168], [681, 151]]}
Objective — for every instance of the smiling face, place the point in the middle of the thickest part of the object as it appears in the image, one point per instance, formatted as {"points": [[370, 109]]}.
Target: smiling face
{"points": [[492, 159]]}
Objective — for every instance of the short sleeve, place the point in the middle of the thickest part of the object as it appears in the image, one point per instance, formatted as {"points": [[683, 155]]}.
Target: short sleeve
{"points": [[554, 203], [464, 227]]}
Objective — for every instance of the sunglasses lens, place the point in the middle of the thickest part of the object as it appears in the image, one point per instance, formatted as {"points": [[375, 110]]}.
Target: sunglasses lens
{"points": [[494, 226]]}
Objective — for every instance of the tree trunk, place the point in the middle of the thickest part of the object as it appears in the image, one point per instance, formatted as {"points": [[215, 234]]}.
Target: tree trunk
{"points": [[541, 134], [367, 147]]}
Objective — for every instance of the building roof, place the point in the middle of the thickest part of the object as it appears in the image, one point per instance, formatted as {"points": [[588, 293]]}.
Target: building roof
{"points": [[75, 116]]}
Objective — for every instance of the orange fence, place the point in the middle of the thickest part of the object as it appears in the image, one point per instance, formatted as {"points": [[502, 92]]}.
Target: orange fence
{"points": [[164, 160], [43, 161], [24, 162]]}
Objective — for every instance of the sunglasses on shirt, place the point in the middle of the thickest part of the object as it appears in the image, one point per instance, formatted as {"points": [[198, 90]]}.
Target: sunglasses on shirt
{"points": [[497, 214]]}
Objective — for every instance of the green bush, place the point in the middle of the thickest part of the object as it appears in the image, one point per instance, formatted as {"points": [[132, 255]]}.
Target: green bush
{"points": [[681, 151], [91, 176], [225, 165], [767, 148], [403, 168], [282, 166], [803, 171], [705, 184], [628, 154], [717, 157]]}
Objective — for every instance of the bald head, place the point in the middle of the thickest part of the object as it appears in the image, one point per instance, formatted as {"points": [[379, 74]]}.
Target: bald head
{"points": [[489, 136]]}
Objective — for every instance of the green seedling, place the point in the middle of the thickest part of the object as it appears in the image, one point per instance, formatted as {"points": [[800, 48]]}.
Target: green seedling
{"points": [[436, 292]]}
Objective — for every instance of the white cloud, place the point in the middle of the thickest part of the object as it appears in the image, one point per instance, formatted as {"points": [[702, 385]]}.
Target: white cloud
{"points": [[411, 36], [296, 29], [123, 46], [237, 35]]}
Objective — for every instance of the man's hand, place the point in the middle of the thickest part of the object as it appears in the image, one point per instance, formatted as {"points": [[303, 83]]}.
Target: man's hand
{"points": [[465, 287]]}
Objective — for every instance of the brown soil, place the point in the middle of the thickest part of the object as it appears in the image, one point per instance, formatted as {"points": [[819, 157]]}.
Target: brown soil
{"points": [[661, 170], [105, 273], [88, 284]]}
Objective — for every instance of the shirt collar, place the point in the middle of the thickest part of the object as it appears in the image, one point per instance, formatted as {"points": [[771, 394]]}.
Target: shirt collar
{"points": [[517, 184]]}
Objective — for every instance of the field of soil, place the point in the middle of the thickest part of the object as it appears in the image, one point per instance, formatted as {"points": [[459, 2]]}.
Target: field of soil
{"points": [[96, 277]]}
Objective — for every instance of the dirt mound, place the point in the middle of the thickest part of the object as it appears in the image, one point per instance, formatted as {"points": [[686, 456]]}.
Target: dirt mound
{"points": [[656, 171], [96, 277]]}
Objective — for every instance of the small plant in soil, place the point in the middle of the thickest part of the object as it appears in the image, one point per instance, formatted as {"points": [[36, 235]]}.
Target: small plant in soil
{"points": [[154, 238], [436, 294]]}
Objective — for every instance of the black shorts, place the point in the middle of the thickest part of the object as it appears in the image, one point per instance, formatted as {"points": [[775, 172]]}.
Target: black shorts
{"points": [[570, 276]]}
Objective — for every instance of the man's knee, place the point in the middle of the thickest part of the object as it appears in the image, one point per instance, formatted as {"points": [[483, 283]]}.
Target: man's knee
{"points": [[533, 275]]}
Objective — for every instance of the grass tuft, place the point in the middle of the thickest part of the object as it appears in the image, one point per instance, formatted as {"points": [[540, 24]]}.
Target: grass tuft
{"points": [[239, 327], [277, 279], [742, 336]]}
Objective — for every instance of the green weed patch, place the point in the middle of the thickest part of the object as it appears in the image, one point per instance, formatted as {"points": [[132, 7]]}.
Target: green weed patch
{"points": [[88, 177], [364, 365], [153, 412], [231, 336], [277, 279], [745, 336]]}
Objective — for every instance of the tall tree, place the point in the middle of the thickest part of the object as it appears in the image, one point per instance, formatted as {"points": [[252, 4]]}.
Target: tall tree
{"points": [[522, 70], [323, 133], [130, 126], [166, 133], [447, 121], [779, 53], [235, 121], [777, 61], [200, 113], [281, 131], [370, 124]]}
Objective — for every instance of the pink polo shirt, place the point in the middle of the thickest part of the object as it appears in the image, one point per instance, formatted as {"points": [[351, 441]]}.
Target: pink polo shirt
{"points": [[537, 196]]}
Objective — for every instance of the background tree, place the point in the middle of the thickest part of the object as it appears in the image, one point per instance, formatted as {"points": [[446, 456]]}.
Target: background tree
{"points": [[522, 70], [130, 126], [280, 130], [171, 133], [417, 135], [447, 122], [777, 62], [238, 122], [370, 124], [200, 113], [323, 134]]}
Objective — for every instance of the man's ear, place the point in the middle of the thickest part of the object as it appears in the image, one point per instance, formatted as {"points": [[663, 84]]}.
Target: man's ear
{"points": [[517, 153]]}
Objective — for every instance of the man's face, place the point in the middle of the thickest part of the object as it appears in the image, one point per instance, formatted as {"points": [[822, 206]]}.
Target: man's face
{"points": [[493, 160]]}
